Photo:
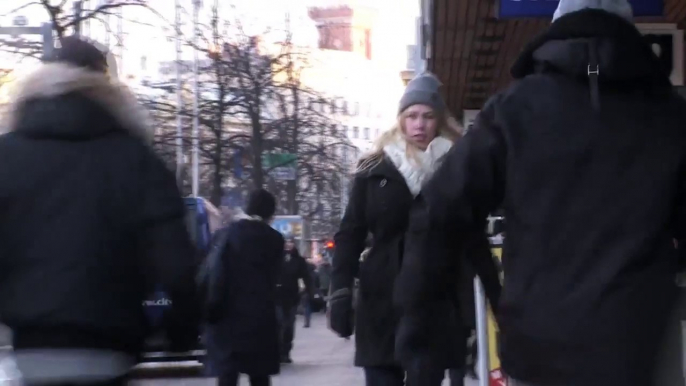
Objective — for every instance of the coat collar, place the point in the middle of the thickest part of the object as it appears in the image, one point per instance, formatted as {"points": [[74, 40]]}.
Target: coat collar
{"points": [[55, 80]]}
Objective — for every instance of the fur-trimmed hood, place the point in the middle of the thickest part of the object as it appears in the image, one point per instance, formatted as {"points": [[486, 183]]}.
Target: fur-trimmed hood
{"points": [[64, 100]]}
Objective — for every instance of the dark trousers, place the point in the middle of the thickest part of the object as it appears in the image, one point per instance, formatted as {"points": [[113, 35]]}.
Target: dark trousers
{"points": [[231, 379], [396, 376], [114, 382], [286, 316], [456, 377], [307, 310]]}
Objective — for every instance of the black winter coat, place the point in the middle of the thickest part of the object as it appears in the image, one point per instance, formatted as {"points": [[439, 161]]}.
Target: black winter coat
{"points": [[380, 204], [90, 219], [593, 193], [294, 268], [246, 338]]}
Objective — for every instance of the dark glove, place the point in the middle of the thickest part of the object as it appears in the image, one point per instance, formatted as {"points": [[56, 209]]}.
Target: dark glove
{"points": [[341, 315]]}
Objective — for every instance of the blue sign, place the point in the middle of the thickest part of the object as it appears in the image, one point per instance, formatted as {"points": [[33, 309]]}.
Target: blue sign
{"points": [[546, 8], [289, 226]]}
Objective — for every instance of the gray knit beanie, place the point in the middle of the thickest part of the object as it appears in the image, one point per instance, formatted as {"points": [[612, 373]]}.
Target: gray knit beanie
{"points": [[423, 90], [620, 8]]}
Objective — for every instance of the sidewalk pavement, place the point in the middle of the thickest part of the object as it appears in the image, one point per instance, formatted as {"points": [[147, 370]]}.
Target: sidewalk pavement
{"points": [[321, 359]]}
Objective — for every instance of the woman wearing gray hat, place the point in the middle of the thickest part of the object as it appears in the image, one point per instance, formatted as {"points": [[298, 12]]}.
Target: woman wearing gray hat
{"points": [[386, 182]]}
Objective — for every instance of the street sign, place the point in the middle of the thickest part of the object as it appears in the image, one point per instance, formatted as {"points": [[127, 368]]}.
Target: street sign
{"points": [[281, 166], [289, 226], [546, 8]]}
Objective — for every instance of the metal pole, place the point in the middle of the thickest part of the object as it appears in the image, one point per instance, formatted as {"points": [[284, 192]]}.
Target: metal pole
{"points": [[196, 96], [481, 332], [78, 10], [179, 98]]}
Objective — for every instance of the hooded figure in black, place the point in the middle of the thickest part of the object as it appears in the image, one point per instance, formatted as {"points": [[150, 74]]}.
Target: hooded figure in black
{"points": [[245, 339], [384, 189], [586, 153], [90, 221]]}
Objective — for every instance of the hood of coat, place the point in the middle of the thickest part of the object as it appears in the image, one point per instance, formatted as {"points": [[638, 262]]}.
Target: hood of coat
{"points": [[417, 170], [624, 57], [61, 100]]}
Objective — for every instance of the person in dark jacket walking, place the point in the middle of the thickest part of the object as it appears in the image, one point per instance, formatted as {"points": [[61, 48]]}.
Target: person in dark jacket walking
{"points": [[587, 154], [385, 185], [307, 300], [293, 270], [90, 222], [245, 340]]}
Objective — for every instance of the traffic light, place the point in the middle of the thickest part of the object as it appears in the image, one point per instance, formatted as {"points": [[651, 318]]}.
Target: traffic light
{"points": [[330, 245]]}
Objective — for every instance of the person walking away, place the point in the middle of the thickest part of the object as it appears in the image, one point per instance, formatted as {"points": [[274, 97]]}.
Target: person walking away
{"points": [[385, 185], [245, 339], [293, 270], [308, 299], [90, 221], [587, 152]]}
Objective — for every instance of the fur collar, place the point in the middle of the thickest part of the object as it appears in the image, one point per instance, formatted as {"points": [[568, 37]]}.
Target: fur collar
{"points": [[417, 172], [241, 215], [58, 79]]}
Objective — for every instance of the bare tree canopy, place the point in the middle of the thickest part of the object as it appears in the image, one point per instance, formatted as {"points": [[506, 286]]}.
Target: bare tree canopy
{"points": [[260, 125]]}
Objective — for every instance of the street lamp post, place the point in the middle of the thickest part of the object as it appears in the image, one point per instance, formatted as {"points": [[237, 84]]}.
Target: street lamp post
{"points": [[196, 96]]}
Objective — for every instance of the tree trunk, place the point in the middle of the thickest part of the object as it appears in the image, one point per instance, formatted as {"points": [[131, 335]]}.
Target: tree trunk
{"points": [[217, 191], [257, 150], [291, 189]]}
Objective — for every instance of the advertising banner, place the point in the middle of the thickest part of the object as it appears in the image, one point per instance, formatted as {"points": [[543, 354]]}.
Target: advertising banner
{"points": [[289, 226]]}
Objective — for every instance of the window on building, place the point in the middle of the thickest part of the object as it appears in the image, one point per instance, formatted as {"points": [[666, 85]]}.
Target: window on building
{"points": [[356, 109], [344, 107], [144, 63], [332, 105], [334, 129], [367, 133], [356, 132], [377, 133], [346, 131]]}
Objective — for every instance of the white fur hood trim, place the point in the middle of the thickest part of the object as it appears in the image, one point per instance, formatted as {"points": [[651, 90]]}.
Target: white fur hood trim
{"points": [[241, 215], [417, 172], [56, 79]]}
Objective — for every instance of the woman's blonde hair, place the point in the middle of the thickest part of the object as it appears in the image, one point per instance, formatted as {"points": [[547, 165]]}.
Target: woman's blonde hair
{"points": [[448, 127]]}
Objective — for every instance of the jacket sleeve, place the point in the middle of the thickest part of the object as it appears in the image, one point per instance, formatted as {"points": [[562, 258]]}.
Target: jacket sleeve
{"points": [[305, 275], [169, 250], [470, 183], [350, 239], [478, 254]]}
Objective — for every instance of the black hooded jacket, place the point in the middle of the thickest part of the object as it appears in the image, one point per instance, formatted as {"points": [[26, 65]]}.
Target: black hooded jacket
{"points": [[90, 219], [593, 188]]}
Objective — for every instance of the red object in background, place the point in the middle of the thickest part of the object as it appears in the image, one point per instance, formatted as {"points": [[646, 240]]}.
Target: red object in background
{"points": [[330, 244], [497, 378]]}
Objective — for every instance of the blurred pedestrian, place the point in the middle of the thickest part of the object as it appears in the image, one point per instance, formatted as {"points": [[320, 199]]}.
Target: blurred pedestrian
{"points": [[586, 154], [309, 298], [294, 269], [386, 182], [245, 338], [91, 220]]}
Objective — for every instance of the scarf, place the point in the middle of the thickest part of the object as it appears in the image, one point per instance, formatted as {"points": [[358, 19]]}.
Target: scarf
{"points": [[418, 170]]}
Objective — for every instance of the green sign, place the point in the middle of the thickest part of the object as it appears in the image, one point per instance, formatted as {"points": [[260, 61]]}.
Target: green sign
{"points": [[281, 166]]}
